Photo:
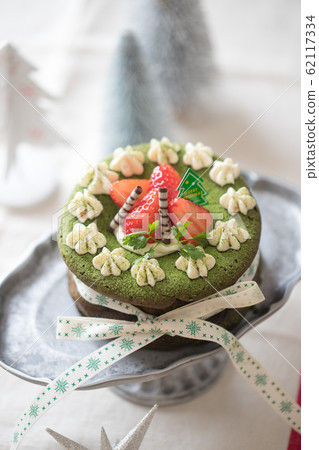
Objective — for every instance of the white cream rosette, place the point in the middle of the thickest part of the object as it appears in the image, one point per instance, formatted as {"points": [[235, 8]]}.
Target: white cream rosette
{"points": [[227, 235], [195, 268], [224, 172], [237, 201], [85, 206], [128, 161], [111, 262], [147, 272], [98, 179], [163, 151], [198, 156], [84, 239]]}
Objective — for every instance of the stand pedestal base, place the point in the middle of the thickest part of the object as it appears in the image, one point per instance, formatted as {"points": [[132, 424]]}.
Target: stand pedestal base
{"points": [[181, 386]]}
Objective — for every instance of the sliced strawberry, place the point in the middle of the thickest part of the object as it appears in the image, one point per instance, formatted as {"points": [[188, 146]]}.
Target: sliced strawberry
{"points": [[145, 213], [182, 210], [166, 176], [120, 190]]}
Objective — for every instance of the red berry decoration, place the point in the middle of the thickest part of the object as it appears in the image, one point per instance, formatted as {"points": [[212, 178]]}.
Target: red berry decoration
{"points": [[120, 190], [166, 176], [145, 213], [182, 210]]}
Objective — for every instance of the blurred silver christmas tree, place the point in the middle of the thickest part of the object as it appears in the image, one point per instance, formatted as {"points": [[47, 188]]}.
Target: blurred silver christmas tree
{"points": [[27, 172], [21, 114], [134, 112], [174, 37]]}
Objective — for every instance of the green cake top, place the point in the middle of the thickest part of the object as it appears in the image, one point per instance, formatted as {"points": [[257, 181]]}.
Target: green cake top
{"points": [[109, 269]]}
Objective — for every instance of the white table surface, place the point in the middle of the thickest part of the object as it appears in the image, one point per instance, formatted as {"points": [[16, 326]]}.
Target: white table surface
{"points": [[256, 48]]}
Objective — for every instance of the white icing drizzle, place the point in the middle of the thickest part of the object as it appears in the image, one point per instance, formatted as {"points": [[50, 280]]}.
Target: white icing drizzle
{"points": [[111, 262], [227, 235], [198, 156], [84, 239], [163, 151], [195, 268], [98, 179], [85, 206], [147, 272], [224, 172], [128, 161], [237, 201]]}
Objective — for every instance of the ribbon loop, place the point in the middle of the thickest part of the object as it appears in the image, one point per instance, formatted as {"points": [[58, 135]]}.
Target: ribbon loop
{"points": [[187, 321]]}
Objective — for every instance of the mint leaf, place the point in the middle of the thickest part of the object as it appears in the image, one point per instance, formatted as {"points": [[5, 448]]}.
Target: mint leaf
{"points": [[137, 260], [153, 226], [174, 231], [135, 240], [147, 255], [183, 252], [190, 251], [182, 227], [201, 239]]}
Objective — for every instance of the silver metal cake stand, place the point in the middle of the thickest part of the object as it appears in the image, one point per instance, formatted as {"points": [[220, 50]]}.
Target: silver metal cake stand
{"points": [[36, 292]]}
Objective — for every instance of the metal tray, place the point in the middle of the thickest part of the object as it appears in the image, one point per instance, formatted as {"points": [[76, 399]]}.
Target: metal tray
{"points": [[35, 293]]}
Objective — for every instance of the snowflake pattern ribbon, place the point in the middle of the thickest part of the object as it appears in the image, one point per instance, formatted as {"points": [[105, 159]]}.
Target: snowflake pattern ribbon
{"points": [[187, 321]]}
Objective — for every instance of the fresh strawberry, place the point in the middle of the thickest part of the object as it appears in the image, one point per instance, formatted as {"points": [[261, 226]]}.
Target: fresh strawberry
{"points": [[145, 213], [182, 210], [120, 190], [165, 176]]}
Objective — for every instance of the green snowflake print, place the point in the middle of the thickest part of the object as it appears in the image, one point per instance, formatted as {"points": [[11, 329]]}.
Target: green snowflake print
{"points": [[251, 270], [127, 344], [193, 328], [116, 329], [261, 379], [230, 292], [240, 357], [155, 330], [101, 299], [33, 411], [61, 386], [225, 338], [93, 364], [15, 437], [78, 330], [285, 407]]}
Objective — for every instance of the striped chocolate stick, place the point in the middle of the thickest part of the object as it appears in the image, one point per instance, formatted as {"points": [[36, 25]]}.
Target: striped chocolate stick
{"points": [[163, 210], [126, 208]]}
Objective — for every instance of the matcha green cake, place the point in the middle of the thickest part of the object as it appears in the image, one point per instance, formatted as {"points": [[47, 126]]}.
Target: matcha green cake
{"points": [[159, 225]]}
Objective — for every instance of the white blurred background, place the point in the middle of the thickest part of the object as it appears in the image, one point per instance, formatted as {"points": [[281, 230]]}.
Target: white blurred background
{"points": [[256, 56]]}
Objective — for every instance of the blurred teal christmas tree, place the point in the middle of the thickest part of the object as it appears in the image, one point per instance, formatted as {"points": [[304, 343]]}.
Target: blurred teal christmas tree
{"points": [[174, 36], [134, 112]]}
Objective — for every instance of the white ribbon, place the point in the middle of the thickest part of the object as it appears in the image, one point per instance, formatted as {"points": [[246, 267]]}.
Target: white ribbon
{"points": [[186, 322]]}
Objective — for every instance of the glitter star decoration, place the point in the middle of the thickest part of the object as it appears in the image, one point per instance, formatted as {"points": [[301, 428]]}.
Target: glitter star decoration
{"points": [[132, 441]]}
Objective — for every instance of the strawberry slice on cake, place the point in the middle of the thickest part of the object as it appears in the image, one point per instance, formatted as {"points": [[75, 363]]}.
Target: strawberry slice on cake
{"points": [[182, 210], [166, 176], [120, 190], [146, 211]]}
